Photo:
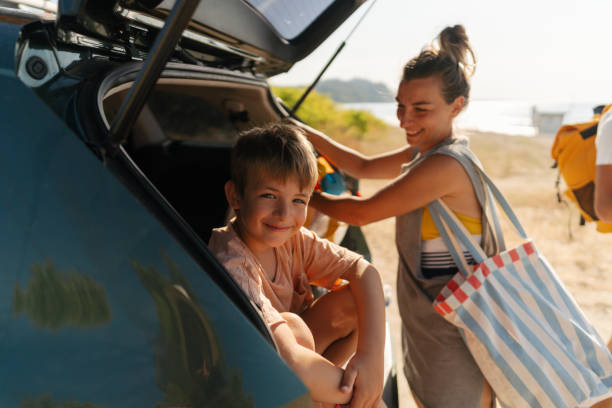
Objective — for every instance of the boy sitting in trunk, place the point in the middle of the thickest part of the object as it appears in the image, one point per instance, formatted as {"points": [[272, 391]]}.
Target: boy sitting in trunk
{"points": [[275, 259]]}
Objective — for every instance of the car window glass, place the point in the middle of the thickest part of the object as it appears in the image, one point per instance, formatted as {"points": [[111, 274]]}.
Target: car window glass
{"points": [[290, 17]]}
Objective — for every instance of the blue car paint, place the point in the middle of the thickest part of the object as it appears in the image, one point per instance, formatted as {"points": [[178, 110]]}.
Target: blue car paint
{"points": [[63, 211]]}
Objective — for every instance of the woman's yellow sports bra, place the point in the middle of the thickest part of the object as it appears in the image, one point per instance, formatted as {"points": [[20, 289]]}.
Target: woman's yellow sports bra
{"points": [[429, 230]]}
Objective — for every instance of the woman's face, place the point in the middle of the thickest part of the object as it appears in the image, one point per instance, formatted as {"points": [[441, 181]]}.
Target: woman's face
{"points": [[423, 114]]}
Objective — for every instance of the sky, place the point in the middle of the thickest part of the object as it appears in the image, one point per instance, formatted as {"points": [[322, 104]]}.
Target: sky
{"points": [[535, 50]]}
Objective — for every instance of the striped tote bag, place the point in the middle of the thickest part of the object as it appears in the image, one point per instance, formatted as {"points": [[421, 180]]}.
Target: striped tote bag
{"points": [[527, 334]]}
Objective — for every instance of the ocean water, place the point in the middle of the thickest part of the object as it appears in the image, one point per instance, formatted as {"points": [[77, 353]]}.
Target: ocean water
{"points": [[507, 117]]}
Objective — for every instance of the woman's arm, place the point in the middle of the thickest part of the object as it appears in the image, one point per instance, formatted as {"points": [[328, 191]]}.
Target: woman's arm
{"points": [[321, 377], [386, 165], [603, 192], [603, 172], [437, 177]]}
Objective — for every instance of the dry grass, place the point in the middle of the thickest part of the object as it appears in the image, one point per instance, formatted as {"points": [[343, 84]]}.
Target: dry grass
{"points": [[521, 168]]}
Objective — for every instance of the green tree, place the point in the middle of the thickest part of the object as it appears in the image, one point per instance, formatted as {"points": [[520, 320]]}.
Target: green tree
{"points": [[190, 366], [320, 112]]}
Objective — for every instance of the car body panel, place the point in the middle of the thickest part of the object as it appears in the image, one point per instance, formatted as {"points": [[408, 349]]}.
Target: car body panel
{"points": [[111, 296], [233, 22], [98, 294], [9, 34]]}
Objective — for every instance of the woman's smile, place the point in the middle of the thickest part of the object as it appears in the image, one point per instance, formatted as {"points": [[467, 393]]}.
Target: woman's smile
{"points": [[411, 135], [423, 113]]}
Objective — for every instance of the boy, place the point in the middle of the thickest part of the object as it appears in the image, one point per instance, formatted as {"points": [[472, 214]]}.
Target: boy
{"points": [[274, 260]]}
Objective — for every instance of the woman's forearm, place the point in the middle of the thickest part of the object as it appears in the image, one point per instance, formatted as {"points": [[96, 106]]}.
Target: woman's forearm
{"points": [[350, 209], [603, 192], [345, 158], [381, 166]]}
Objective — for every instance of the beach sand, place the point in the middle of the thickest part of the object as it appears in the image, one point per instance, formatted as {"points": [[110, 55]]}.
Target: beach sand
{"points": [[521, 168]]}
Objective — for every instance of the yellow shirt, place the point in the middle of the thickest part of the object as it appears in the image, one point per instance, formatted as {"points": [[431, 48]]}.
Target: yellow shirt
{"points": [[429, 230]]}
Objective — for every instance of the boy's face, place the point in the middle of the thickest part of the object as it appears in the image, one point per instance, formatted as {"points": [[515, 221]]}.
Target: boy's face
{"points": [[269, 211]]}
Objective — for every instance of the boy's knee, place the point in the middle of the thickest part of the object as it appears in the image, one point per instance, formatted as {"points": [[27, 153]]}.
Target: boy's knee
{"points": [[344, 313], [300, 330]]}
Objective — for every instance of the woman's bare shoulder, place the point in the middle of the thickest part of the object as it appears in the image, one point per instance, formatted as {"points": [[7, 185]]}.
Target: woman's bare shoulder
{"points": [[446, 172], [440, 163]]}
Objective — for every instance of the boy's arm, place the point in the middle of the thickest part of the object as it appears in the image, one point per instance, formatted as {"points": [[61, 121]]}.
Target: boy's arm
{"points": [[321, 377], [366, 367]]}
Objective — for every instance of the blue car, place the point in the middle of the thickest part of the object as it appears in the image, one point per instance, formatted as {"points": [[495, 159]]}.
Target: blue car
{"points": [[117, 118]]}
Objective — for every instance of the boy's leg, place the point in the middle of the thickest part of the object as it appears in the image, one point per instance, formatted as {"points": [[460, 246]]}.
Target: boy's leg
{"points": [[332, 319], [300, 330], [304, 338]]}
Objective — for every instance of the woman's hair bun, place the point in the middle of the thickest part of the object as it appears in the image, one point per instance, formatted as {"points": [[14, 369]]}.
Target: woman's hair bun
{"points": [[455, 44], [449, 60]]}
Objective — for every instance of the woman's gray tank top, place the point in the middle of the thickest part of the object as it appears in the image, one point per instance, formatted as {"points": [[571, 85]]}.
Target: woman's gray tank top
{"points": [[438, 366]]}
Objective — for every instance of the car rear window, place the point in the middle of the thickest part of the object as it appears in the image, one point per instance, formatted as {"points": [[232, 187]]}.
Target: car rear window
{"points": [[290, 17]]}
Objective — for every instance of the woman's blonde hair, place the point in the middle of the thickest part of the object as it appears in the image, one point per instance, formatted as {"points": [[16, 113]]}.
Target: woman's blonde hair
{"points": [[449, 61], [278, 151]]}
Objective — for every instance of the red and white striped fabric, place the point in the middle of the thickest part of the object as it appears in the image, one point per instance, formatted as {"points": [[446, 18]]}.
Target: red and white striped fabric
{"points": [[527, 334], [454, 294]]}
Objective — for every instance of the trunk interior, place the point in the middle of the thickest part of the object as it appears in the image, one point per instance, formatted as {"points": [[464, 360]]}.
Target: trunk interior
{"points": [[182, 142], [183, 137]]}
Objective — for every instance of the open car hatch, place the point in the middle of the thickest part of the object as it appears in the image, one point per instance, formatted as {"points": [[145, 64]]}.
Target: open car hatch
{"points": [[263, 36]]}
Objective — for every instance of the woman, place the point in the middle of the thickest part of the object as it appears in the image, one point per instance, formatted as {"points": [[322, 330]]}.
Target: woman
{"points": [[433, 91]]}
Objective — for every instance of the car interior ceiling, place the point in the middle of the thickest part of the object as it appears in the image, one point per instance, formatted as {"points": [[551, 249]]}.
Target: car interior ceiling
{"points": [[183, 137]]}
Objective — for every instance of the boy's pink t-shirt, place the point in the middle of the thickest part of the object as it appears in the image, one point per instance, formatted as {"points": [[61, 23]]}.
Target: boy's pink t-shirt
{"points": [[303, 260]]}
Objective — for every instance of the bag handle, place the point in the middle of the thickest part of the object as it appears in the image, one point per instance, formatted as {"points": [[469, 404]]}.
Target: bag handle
{"points": [[490, 199], [503, 203], [470, 162], [451, 239], [452, 230], [470, 158]]}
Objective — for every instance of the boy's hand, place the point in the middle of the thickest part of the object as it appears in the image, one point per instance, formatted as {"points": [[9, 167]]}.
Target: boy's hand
{"points": [[364, 375]]}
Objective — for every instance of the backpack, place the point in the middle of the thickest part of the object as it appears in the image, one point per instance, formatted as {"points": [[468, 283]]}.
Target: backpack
{"points": [[574, 153]]}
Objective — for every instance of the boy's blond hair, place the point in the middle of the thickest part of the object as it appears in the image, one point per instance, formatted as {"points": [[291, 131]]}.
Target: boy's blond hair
{"points": [[278, 151]]}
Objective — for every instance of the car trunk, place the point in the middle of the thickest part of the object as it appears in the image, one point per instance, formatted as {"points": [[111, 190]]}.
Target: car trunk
{"points": [[179, 131], [182, 139]]}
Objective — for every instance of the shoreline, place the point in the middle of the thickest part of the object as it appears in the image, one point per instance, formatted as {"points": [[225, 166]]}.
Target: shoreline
{"points": [[512, 118]]}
